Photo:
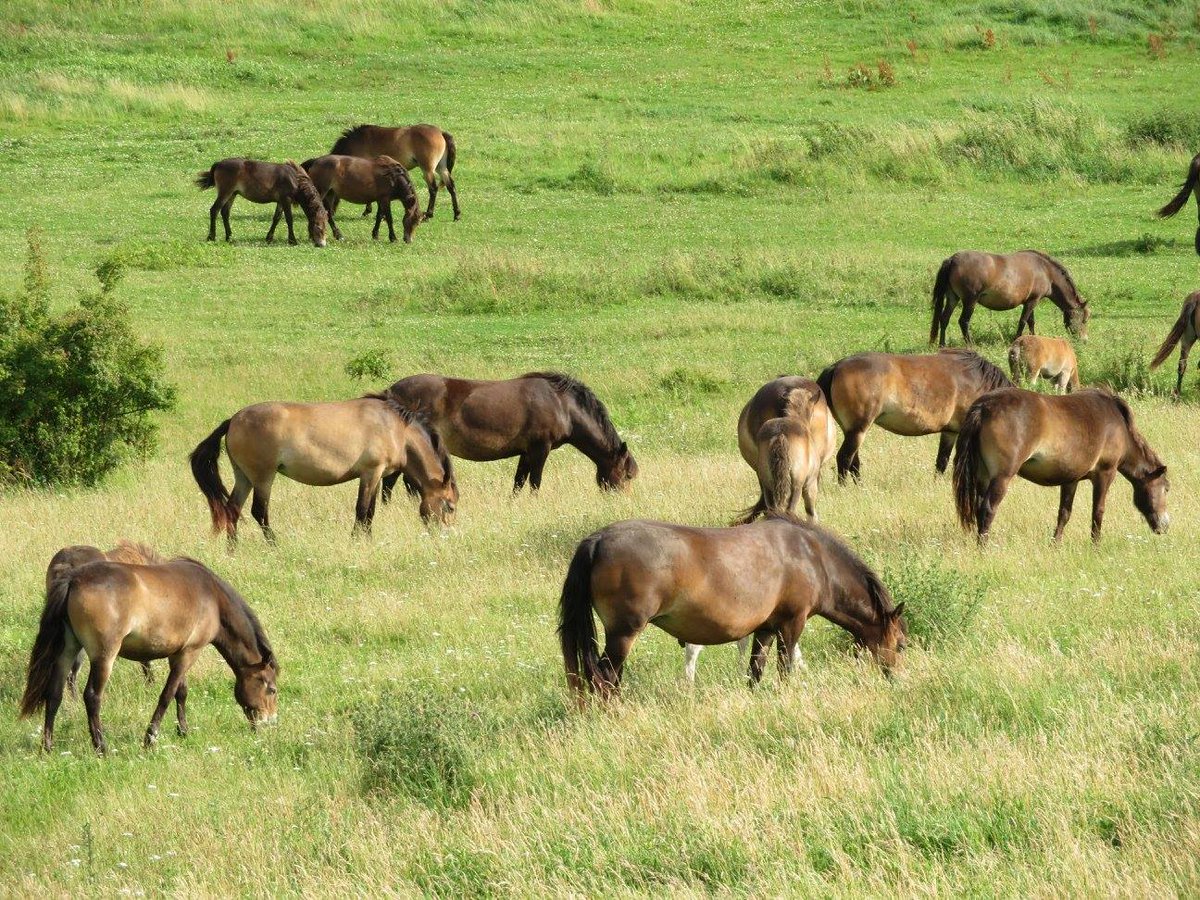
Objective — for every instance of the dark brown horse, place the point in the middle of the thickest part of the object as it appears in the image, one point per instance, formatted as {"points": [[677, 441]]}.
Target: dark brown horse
{"points": [[1191, 185], [1054, 441], [1004, 281], [415, 146], [323, 444], [168, 610], [262, 182], [526, 417], [380, 180], [715, 585], [905, 394], [1184, 330]]}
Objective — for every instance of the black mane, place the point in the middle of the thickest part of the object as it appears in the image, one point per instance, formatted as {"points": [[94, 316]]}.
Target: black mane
{"points": [[990, 374], [588, 402], [418, 419], [348, 136]]}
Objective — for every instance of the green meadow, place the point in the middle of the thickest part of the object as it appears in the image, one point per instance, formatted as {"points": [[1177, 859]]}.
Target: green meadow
{"points": [[674, 202]]}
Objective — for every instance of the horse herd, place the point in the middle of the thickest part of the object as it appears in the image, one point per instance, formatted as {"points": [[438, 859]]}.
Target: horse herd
{"points": [[757, 581]]}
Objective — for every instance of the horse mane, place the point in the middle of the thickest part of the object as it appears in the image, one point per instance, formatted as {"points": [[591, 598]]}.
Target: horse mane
{"points": [[399, 181], [1072, 295], [135, 553], [416, 417], [587, 400], [990, 374], [238, 602], [349, 136], [1135, 436], [407, 413]]}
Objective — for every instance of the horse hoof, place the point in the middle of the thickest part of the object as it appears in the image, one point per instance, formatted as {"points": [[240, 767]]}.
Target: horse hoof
{"points": [[457, 216], [150, 740], [426, 217], [292, 242]]}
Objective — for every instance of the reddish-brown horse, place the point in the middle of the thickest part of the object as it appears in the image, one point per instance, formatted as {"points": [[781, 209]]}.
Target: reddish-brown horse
{"points": [[426, 147], [1032, 357], [380, 180], [1004, 281], [261, 182], [715, 585], [1055, 442], [1183, 332], [1191, 185]]}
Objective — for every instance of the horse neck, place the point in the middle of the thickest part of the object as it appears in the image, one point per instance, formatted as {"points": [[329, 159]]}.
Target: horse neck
{"points": [[853, 610], [422, 462], [235, 641], [1137, 462], [588, 436], [1060, 292]]}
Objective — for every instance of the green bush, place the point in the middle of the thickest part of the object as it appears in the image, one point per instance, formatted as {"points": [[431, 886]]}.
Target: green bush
{"points": [[374, 364], [77, 389], [940, 603]]}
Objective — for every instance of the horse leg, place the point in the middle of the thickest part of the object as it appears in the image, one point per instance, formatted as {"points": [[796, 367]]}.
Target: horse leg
{"points": [[331, 208], [76, 664], [809, 492], [389, 483], [947, 312], [274, 222], [225, 218], [789, 639], [964, 320], [260, 509], [366, 210], [537, 461], [180, 711], [945, 448], [431, 182], [1026, 318], [847, 457], [287, 215], [218, 204], [179, 665], [987, 505], [1185, 347], [522, 473], [93, 694], [378, 221], [58, 681], [617, 641], [1066, 499], [386, 207], [448, 184], [1101, 482], [691, 653], [758, 655], [237, 499], [368, 491]]}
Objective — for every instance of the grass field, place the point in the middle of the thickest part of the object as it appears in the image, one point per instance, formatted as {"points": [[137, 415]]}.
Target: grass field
{"points": [[674, 202]]}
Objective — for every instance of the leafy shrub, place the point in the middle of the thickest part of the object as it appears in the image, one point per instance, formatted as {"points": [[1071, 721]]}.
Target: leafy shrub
{"points": [[1173, 128], [76, 390], [1127, 372], [940, 603], [374, 364]]}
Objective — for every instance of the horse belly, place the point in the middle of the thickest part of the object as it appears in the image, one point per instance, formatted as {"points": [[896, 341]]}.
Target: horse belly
{"points": [[909, 421], [1050, 469]]}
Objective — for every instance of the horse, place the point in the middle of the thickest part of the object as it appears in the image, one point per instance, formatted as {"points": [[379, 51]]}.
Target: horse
{"points": [[1033, 357], [323, 444], [380, 180], [424, 146], [906, 394], [1185, 329], [1191, 185], [1054, 441], [526, 417], [262, 182], [713, 585], [1004, 281], [157, 610]]}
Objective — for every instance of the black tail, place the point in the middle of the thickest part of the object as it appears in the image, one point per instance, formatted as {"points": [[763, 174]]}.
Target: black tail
{"points": [[451, 151], [940, 285], [576, 627], [1189, 185], [205, 180], [966, 462], [204, 469], [48, 646], [825, 382], [1177, 330], [307, 164]]}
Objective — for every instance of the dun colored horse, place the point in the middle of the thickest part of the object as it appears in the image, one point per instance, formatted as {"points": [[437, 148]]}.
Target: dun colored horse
{"points": [[415, 146], [715, 585], [1004, 281], [905, 394], [263, 182], [168, 610], [1054, 441], [1191, 185], [1032, 357], [526, 417], [1185, 329], [323, 444], [380, 180]]}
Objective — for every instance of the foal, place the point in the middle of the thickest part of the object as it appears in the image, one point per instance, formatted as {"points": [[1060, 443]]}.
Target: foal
{"points": [[380, 180], [1054, 358], [263, 182]]}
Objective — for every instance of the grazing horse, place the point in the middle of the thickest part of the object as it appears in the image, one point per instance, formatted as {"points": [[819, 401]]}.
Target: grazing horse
{"points": [[1185, 329], [160, 610], [1004, 281], [1054, 358], [423, 146], [380, 180], [526, 417], [264, 182], [1191, 185], [323, 444], [905, 394], [1054, 441], [714, 585]]}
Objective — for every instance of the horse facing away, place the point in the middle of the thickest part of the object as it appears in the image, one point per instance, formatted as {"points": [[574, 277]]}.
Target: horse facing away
{"points": [[1191, 185], [906, 394], [415, 146], [526, 417], [715, 585], [1185, 329], [323, 444], [168, 610], [1004, 281], [264, 182], [1031, 357], [1054, 441], [380, 180]]}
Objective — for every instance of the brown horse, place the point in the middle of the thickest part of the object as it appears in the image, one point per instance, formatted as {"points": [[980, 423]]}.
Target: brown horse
{"points": [[526, 417], [1191, 185], [323, 444], [263, 182], [1031, 357], [1004, 281], [1185, 329], [380, 180], [423, 146], [714, 585], [1054, 441], [168, 610], [905, 394]]}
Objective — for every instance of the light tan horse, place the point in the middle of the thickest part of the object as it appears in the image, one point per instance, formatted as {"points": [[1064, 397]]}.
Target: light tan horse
{"points": [[1191, 185], [1031, 357], [380, 180], [1185, 329], [264, 182], [323, 444], [426, 147], [170, 610]]}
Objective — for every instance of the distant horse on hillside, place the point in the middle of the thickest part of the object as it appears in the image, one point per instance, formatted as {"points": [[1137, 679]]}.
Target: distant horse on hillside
{"points": [[1185, 329], [264, 182], [415, 146], [1031, 357], [1191, 185], [380, 180]]}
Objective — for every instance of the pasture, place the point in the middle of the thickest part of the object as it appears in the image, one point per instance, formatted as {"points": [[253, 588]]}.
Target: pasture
{"points": [[675, 203]]}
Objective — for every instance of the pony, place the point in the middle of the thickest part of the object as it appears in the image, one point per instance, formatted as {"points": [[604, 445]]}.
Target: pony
{"points": [[1004, 281], [1185, 329], [1054, 441], [1033, 357], [262, 182], [423, 146], [1191, 185], [380, 180]]}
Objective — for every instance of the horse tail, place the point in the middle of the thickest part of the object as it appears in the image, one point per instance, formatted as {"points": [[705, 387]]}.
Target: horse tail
{"points": [[825, 382], [451, 151], [308, 164], [1014, 360], [1175, 334], [1189, 185], [576, 627], [205, 180], [779, 489], [940, 285], [1073, 381], [966, 467], [48, 647], [208, 478]]}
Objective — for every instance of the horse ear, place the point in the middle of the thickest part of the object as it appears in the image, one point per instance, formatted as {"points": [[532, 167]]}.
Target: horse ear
{"points": [[1157, 473], [898, 611], [623, 449]]}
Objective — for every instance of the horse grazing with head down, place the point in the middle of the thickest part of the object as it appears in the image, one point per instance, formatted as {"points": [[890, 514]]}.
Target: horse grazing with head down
{"points": [[1055, 442], [1191, 185], [1004, 281], [426, 147], [380, 180], [1031, 357], [261, 182], [1183, 332]]}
